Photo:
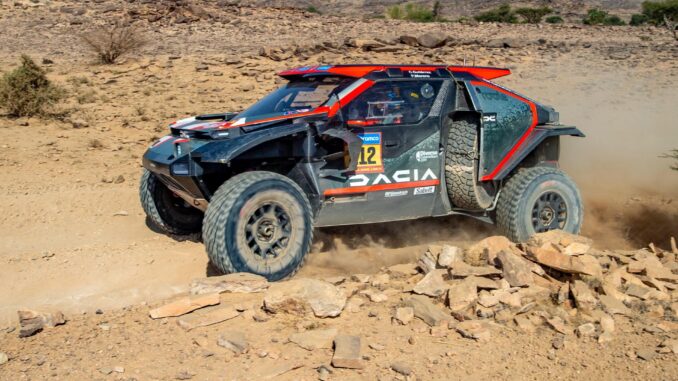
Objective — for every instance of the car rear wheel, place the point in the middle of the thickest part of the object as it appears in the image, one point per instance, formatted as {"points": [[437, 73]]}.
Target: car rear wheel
{"points": [[259, 222], [536, 200], [169, 212]]}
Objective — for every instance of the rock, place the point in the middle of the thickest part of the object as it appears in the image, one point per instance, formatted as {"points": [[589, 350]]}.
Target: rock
{"points": [[184, 375], [506, 42], [432, 40], [671, 345], [427, 311], [586, 330], [3, 358], [298, 296], [315, 339], [409, 40], [485, 251], [364, 44], [380, 280], [32, 322], [613, 306], [432, 284], [516, 270], [375, 296], [576, 248], [234, 341], [201, 67], [607, 328], [403, 270], [347, 352], [462, 269], [483, 283], [638, 291], [236, 282], [404, 315], [559, 325], [583, 297], [647, 354], [461, 295], [473, 329], [401, 368], [449, 255], [213, 316], [78, 123], [559, 261], [360, 278], [353, 305], [428, 261], [524, 323], [184, 305]]}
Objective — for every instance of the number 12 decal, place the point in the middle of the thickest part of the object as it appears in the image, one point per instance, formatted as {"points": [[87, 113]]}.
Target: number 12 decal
{"points": [[371, 160]]}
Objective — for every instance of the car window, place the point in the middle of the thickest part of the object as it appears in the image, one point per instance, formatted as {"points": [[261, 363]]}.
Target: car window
{"points": [[388, 103]]}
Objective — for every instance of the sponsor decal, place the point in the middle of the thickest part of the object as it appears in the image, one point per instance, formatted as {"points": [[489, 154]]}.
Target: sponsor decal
{"points": [[424, 190], [323, 68], [420, 74], [396, 193], [425, 155], [370, 160], [490, 118], [401, 176]]}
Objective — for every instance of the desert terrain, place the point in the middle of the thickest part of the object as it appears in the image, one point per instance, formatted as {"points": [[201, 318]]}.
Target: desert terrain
{"points": [[75, 239]]}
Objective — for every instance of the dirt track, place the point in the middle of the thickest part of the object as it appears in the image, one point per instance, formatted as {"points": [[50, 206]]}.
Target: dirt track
{"points": [[75, 240]]}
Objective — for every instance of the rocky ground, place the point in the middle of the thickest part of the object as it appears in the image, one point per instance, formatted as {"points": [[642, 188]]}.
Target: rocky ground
{"points": [[75, 239]]}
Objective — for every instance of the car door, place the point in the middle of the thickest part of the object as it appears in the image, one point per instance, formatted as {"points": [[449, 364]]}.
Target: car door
{"points": [[398, 172]]}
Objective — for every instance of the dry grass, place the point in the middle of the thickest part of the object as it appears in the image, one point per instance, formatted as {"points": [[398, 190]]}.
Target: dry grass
{"points": [[111, 43]]}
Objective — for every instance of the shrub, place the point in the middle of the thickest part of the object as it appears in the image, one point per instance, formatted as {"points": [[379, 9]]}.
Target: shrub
{"points": [[554, 20], [638, 19], [26, 91], [663, 13], [414, 12], [533, 15], [596, 16], [503, 13], [312, 9], [110, 43]]}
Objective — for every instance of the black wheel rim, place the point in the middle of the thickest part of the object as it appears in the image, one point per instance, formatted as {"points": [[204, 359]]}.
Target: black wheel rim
{"points": [[549, 212], [268, 231]]}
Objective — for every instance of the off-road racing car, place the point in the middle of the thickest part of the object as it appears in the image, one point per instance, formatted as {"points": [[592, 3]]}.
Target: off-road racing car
{"points": [[357, 144]]}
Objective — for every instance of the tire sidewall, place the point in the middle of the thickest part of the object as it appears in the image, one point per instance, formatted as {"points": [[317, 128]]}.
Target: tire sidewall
{"points": [[550, 182], [239, 256]]}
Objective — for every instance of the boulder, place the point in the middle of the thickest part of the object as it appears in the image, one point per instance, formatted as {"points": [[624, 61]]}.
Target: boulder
{"points": [[584, 298], [462, 295], [613, 305], [347, 352], [184, 305], [409, 40], [213, 316], [299, 296], [462, 269], [516, 270], [237, 282], [32, 322], [432, 40], [557, 237], [474, 329], [586, 330], [559, 261], [485, 251], [450, 255], [404, 315], [432, 284], [425, 310], [234, 341], [315, 339]]}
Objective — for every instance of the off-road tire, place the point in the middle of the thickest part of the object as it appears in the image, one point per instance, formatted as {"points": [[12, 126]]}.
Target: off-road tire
{"points": [[461, 167], [166, 210], [519, 197], [228, 235]]}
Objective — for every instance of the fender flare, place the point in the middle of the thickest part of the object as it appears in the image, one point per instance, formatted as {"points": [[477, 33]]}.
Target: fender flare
{"points": [[538, 135]]}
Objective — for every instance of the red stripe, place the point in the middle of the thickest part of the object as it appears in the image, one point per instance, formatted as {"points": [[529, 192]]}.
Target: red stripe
{"points": [[380, 187], [535, 120], [283, 117]]}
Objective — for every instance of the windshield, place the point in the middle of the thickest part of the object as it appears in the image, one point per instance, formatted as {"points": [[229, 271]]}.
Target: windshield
{"points": [[297, 96]]}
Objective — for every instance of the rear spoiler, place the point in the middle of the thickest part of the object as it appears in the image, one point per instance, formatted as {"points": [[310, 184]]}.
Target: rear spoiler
{"points": [[483, 72]]}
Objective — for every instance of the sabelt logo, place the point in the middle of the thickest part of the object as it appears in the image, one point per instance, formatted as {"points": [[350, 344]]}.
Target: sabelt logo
{"points": [[402, 176]]}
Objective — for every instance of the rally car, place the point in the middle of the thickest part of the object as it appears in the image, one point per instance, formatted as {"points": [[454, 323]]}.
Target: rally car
{"points": [[358, 144]]}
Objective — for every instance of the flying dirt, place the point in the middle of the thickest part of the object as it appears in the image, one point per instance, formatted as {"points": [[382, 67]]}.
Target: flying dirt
{"points": [[430, 298]]}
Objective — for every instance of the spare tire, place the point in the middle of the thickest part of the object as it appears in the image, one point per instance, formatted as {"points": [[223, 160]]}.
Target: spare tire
{"points": [[461, 167]]}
